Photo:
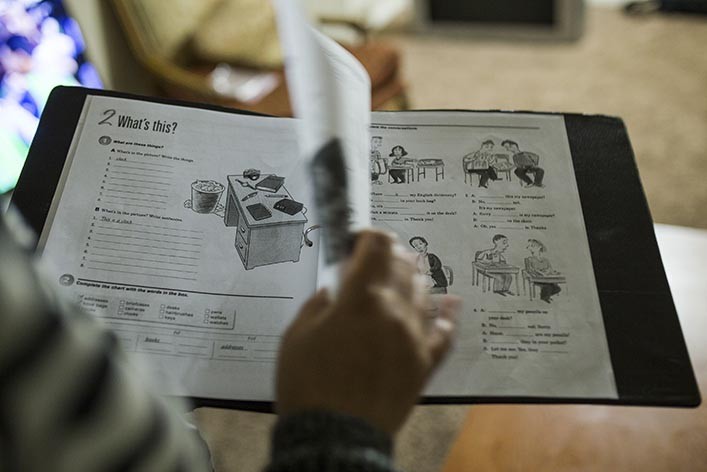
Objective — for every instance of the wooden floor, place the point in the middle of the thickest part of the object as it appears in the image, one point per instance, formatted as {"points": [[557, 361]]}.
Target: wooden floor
{"points": [[601, 438]]}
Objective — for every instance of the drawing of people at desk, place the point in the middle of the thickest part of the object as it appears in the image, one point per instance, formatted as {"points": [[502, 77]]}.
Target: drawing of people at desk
{"points": [[539, 270], [481, 162], [399, 166], [492, 263], [430, 266], [526, 163]]}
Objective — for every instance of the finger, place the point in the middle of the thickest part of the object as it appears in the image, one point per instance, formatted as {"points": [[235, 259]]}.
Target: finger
{"points": [[371, 260], [316, 306], [404, 274], [443, 329]]}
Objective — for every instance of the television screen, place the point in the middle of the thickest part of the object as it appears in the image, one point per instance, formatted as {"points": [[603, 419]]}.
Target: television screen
{"points": [[532, 12], [40, 47]]}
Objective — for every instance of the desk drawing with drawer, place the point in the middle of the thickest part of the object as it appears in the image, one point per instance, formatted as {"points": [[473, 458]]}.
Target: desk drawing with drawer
{"points": [[271, 240]]}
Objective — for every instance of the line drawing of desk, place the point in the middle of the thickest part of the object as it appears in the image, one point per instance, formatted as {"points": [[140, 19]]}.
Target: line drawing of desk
{"points": [[436, 164], [531, 280], [409, 172], [488, 270], [272, 240]]}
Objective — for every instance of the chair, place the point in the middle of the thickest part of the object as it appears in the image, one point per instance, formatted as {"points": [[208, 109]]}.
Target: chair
{"points": [[465, 169], [449, 274], [184, 49], [381, 166]]}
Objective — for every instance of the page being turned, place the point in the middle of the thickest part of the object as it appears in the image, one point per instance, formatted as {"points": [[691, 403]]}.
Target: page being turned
{"points": [[330, 91]]}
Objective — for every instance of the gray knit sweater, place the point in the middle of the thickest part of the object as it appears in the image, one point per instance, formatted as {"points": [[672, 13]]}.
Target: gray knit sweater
{"points": [[69, 403]]}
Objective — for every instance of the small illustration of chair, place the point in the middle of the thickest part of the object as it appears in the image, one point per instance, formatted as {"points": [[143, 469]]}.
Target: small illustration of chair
{"points": [[466, 161], [449, 274], [381, 166]]}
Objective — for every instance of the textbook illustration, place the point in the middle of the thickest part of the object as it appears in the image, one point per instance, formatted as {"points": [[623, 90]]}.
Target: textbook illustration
{"points": [[205, 197], [491, 269], [495, 161], [269, 222], [539, 273], [401, 168], [494, 273], [437, 276]]}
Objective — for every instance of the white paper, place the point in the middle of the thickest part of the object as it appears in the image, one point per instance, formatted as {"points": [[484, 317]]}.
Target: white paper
{"points": [[509, 343], [143, 237], [127, 243], [331, 95]]}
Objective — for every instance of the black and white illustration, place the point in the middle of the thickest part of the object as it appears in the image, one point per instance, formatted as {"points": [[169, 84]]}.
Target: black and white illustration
{"points": [[525, 163], [484, 163], [438, 277], [206, 197], [538, 273], [398, 166], [269, 222], [495, 160], [379, 164], [401, 168], [493, 272]]}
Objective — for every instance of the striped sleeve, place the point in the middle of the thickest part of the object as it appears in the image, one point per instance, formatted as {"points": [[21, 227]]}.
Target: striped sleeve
{"points": [[68, 401]]}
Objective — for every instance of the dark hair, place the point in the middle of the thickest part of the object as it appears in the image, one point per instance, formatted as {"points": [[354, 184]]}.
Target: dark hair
{"points": [[488, 141], [508, 141], [538, 244], [498, 236], [405, 153], [376, 137], [418, 237]]}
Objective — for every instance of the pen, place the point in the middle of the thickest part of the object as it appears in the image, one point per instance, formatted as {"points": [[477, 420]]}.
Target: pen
{"points": [[250, 195]]}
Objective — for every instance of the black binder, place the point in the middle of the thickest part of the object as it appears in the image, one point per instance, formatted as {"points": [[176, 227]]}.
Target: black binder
{"points": [[648, 353]]}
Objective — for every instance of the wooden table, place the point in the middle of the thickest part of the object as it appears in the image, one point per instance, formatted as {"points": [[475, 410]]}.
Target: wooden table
{"points": [[605, 438]]}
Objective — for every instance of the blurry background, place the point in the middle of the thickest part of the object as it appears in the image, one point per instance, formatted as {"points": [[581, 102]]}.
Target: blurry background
{"points": [[650, 69], [541, 55]]}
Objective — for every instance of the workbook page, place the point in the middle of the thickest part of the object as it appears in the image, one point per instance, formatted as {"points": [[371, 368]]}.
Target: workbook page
{"points": [[187, 231], [489, 203]]}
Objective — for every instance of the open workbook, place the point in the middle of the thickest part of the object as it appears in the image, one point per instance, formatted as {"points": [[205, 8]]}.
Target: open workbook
{"points": [[188, 230]]}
